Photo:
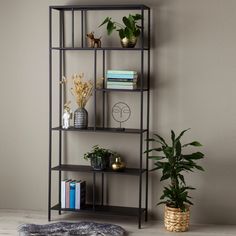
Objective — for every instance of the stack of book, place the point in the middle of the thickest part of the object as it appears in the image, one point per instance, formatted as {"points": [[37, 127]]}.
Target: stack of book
{"points": [[121, 79], [73, 194]]}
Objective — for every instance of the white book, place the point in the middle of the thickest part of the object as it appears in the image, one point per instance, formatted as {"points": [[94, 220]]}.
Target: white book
{"points": [[63, 193], [77, 194]]}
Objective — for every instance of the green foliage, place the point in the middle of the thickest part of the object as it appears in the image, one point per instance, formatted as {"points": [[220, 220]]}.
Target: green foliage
{"points": [[173, 163], [129, 29], [98, 152]]}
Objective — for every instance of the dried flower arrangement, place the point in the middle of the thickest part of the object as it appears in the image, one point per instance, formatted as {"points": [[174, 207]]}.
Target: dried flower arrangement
{"points": [[82, 90]]}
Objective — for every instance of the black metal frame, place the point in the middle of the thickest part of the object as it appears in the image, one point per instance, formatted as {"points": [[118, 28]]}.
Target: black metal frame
{"points": [[144, 91]]}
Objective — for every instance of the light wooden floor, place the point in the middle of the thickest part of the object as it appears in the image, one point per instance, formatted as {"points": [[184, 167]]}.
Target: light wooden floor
{"points": [[10, 220]]}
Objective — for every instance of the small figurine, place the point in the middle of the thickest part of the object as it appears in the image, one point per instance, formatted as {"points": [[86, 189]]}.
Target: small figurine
{"points": [[67, 115], [93, 42]]}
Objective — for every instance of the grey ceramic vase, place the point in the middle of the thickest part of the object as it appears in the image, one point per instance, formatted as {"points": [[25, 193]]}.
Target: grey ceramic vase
{"points": [[81, 118]]}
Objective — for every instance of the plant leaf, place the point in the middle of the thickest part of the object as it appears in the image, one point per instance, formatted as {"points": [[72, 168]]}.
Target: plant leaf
{"points": [[194, 143], [161, 139], [164, 177], [127, 22], [199, 168], [110, 27], [181, 134], [194, 156], [105, 21], [154, 149], [173, 136], [137, 17], [156, 157]]}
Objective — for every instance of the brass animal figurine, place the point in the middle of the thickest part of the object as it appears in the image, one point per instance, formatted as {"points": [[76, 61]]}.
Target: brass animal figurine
{"points": [[93, 42]]}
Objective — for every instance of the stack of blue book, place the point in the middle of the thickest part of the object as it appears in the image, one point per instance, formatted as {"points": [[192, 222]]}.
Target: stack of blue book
{"points": [[121, 79]]}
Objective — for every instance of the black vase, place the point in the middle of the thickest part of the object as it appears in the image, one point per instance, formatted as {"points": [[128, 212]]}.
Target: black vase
{"points": [[100, 162]]}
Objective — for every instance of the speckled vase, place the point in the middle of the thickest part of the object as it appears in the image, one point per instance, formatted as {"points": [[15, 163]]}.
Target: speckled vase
{"points": [[81, 118]]}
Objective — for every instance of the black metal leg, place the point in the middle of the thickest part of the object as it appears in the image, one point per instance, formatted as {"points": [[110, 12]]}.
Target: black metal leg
{"points": [[102, 189], [94, 189]]}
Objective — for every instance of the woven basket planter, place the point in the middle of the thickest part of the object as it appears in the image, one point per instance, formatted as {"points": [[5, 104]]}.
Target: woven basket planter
{"points": [[176, 220]]}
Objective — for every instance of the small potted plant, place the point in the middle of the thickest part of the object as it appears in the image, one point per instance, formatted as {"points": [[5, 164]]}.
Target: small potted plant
{"points": [[129, 32], [173, 164], [99, 157]]}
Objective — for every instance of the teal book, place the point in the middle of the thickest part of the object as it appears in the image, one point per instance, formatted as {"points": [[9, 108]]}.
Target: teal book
{"points": [[122, 76], [130, 72], [72, 195]]}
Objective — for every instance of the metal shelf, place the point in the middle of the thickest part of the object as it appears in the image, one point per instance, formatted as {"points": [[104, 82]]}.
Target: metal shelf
{"points": [[103, 210], [99, 49], [102, 130], [57, 43], [121, 90], [84, 168], [101, 7]]}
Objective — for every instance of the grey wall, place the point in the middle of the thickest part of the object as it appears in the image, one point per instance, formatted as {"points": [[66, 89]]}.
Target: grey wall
{"points": [[193, 82]]}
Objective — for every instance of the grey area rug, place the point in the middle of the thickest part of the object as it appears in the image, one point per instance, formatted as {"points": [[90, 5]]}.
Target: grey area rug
{"points": [[65, 228]]}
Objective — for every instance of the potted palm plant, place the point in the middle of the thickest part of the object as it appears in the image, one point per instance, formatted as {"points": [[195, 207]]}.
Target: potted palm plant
{"points": [[173, 164], [128, 32], [99, 157]]}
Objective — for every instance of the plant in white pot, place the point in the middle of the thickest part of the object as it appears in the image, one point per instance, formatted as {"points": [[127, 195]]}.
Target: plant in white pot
{"points": [[173, 164]]}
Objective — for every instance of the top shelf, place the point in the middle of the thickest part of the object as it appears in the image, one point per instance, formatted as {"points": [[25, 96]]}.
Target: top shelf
{"points": [[101, 7]]}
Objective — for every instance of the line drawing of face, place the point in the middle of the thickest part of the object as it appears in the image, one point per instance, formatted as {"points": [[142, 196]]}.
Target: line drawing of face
{"points": [[121, 112]]}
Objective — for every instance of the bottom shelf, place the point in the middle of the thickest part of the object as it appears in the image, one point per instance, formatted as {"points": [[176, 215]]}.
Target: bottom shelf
{"points": [[108, 210]]}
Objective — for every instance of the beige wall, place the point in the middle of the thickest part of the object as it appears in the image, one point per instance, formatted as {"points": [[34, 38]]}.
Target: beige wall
{"points": [[193, 82]]}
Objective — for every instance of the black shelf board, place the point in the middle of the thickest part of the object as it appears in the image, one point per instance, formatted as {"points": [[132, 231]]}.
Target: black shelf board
{"points": [[84, 168], [105, 210], [104, 48], [105, 130], [101, 7], [121, 90]]}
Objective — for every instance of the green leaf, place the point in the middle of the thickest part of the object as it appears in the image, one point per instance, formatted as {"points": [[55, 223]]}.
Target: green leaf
{"points": [[127, 33], [178, 148], [110, 27], [105, 21], [127, 22], [199, 168], [156, 157], [161, 139], [162, 202], [121, 33], [194, 143], [137, 17], [182, 178], [154, 149], [189, 202], [194, 156], [173, 136], [181, 134], [164, 177], [136, 32]]}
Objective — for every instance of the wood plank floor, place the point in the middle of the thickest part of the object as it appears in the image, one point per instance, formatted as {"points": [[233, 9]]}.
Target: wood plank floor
{"points": [[11, 219]]}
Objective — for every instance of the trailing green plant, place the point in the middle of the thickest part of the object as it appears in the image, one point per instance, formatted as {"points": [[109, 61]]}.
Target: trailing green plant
{"points": [[98, 152], [129, 29], [173, 164]]}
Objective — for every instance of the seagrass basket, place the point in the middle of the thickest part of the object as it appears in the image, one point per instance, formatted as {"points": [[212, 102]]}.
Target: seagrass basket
{"points": [[176, 220]]}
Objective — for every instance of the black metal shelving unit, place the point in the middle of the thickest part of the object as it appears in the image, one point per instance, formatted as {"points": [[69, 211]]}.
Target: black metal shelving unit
{"points": [[143, 91]]}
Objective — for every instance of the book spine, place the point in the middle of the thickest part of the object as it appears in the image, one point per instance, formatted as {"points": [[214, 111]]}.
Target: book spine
{"points": [[82, 194], [68, 194], [77, 195], [121, 83], [110, 86], [72, 195], [63, 193], [122, 80], [122, 76], [130, 72]]}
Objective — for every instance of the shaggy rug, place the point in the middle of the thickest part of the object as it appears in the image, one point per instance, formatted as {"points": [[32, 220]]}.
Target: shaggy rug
{"points": [[64, 228]]}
